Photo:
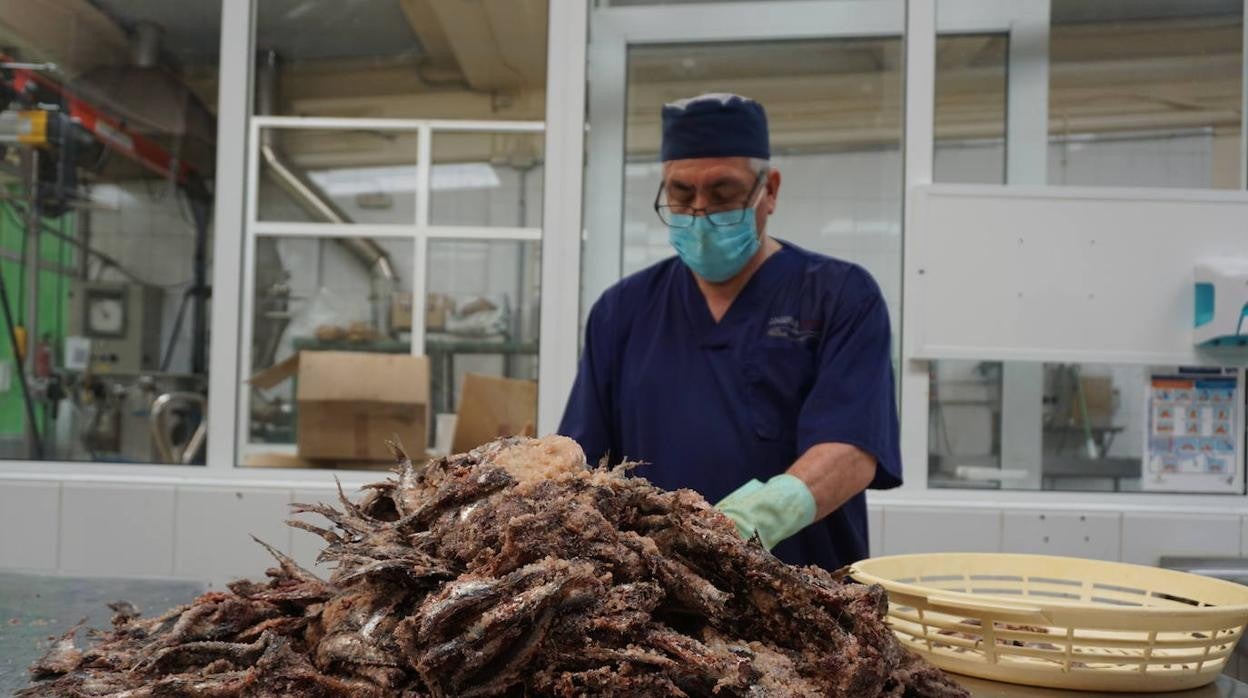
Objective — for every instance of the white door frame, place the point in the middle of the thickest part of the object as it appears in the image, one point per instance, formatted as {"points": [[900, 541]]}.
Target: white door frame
{"points": [[614, 29]]}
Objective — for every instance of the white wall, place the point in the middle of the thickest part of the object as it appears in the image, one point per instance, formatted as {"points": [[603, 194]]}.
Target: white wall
{"points": [[162, 531], [1146, 160]]}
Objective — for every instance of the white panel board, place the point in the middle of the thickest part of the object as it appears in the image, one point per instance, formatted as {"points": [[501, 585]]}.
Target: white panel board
{"points": [[932, 530], [1147, 537], [29, 525], [1063, 273], [214, 529], [1088, 535], [117, 530]]}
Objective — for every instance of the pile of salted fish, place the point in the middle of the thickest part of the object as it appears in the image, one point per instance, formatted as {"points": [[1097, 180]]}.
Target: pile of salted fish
{"points": [[514, 569]]}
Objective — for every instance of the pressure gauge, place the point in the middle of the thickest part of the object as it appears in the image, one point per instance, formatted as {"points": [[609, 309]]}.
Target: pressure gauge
{"points": [[105, 313]]}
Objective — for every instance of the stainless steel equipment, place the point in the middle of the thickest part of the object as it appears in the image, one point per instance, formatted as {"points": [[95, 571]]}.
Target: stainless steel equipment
{"points": [[163, 430], [123, 322]]}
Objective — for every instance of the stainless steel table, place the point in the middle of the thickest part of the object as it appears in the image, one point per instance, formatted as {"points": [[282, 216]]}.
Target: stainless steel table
{"points": [[1224, 687], [35, 608]]}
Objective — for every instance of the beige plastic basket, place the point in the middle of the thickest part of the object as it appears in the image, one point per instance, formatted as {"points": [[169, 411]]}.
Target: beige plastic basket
{"points": [[1061, 622]]}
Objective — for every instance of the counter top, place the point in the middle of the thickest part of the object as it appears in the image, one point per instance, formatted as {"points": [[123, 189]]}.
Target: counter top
{"points": [[1224, 687], [34, 608]]}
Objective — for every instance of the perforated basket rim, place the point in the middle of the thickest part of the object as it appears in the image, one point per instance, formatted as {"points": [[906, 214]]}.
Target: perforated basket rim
{"points": [[861, 571]]}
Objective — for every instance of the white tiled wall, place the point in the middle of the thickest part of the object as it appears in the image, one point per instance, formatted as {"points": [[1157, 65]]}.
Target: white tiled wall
{"points": [[103, 529], [875, 526], [117, 530], [1089, 535], [202, 533], [930, 529], [1136, 537], [30, 525], [1146, 537], [214, 528]]}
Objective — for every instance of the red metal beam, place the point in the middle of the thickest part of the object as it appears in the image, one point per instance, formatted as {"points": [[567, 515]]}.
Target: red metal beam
{"points": [[106, 129]]}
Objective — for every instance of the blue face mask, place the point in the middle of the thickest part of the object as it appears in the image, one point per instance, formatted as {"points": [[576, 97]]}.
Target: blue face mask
{"points": [[714, 252]]}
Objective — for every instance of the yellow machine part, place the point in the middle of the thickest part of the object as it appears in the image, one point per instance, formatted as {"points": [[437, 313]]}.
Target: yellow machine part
{"points": [[19, 333], [34, 127]]}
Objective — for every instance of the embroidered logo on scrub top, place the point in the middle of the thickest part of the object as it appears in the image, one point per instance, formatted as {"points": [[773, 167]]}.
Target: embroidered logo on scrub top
{"points": [[787, 327]]}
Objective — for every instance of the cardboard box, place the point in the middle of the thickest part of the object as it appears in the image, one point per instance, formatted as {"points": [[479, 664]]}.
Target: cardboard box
{"points": [[1098, 392], [351, 403], [490, 407], [284, 460], [401, 312], [438, 307]]}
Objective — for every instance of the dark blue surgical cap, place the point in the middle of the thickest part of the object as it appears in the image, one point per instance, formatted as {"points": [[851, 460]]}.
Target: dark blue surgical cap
{"points": [[715, 126]]}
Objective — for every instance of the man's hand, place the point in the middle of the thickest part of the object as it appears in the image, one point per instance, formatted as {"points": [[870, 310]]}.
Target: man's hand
{"points": [[775, 510], [822, 479], [835, 473]]}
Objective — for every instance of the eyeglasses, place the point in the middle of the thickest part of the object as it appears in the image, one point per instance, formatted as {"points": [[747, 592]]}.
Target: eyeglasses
{"points": [[682, 216]]}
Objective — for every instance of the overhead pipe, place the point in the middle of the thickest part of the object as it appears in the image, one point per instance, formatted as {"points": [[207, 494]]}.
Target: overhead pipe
{"points": [[145, 44], [305, 192]]}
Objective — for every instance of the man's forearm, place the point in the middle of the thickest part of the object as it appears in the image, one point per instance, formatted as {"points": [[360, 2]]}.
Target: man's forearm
{"points": [[834, 472]]}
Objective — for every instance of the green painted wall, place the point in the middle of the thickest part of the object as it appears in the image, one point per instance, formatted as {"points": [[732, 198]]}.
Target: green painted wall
{"points": [[53, 299]]}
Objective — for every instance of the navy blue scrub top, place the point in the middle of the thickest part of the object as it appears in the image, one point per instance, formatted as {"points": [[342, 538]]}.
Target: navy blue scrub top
{"points": [[800, 358]]}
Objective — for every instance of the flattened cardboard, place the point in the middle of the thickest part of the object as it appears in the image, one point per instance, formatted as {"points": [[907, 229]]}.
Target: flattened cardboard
{"points": [[275, 374], [490, 407]]}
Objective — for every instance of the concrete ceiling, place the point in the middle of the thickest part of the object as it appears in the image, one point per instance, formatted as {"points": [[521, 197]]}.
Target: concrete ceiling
{"points": [[310, 30], [192, 29], [299, 29], [1062, 11]]}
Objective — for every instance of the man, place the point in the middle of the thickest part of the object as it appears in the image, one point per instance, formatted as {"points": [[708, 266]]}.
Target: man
{"points": [[745, 368]]}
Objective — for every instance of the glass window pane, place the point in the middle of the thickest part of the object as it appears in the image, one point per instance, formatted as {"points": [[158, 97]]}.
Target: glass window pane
{"points": [[487, 179], [964, 420], [482, 325], [1083, 427], [1145, 94], [970, 108], [337, 176], [387, 59], [834, 110], [319, 294], [99, 257]]}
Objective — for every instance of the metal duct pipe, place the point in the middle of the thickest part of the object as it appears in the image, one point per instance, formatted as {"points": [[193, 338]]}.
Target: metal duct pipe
{"points": [[305, 192], [145, 45]]}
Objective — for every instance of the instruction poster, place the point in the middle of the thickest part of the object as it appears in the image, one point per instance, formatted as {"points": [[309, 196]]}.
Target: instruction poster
{"points": [[1194, 437]]}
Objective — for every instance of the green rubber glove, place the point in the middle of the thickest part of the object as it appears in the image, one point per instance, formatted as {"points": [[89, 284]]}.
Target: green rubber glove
{"points": [[775, 510]]}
